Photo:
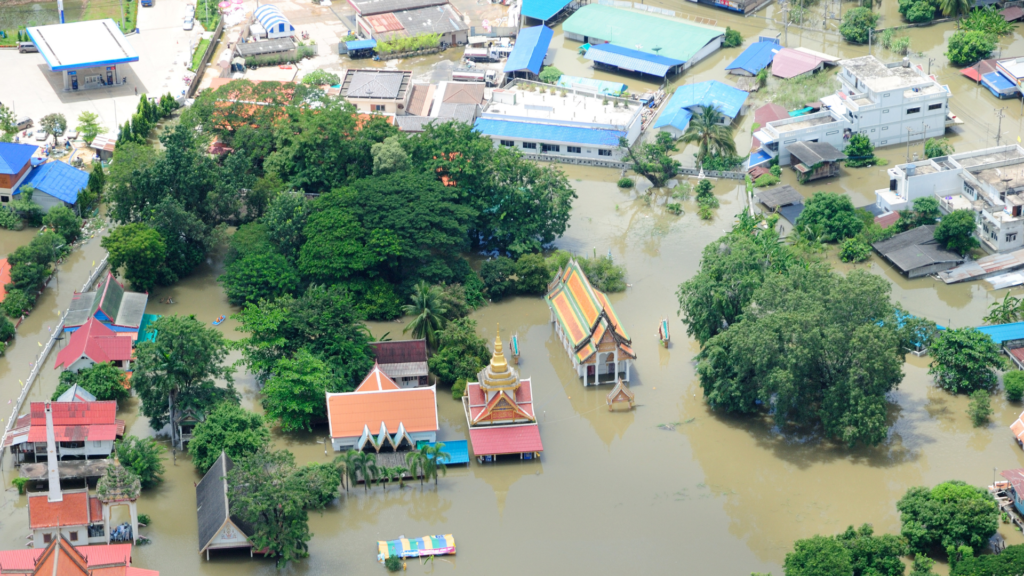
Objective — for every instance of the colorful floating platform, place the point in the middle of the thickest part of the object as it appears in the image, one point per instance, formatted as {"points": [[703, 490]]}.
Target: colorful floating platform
{"points": [[439, 545]]}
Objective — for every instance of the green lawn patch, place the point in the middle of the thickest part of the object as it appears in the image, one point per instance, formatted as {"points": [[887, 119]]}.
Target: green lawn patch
{"points": [[198, 56]]}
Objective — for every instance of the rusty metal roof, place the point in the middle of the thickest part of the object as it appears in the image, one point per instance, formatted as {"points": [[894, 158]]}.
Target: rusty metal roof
{"points": [[982, 267]]}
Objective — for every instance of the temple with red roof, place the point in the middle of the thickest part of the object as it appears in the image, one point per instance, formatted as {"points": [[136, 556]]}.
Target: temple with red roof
{"points": [[588, 328], [81, 430], [379, 416], [66, 558], [94, 343], [499, 411]]}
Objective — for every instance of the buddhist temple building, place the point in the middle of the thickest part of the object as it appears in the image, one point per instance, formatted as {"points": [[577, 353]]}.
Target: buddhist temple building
{"points": [[499, 410], [380, 416], [588, 328], [67, 558]]}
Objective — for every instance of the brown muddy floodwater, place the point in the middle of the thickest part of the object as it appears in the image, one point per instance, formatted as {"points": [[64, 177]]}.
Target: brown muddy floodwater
{"points": [[670, 487]]}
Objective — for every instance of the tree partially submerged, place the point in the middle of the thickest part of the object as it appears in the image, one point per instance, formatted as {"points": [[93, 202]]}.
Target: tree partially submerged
{"points": [[653, 160]]}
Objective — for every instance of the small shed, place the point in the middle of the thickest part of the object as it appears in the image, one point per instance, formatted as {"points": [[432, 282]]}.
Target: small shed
{"points": [[916, 253], [273, 21], [814, 160], [755, 58], [621, 394], [358, 48], [55, 184], [790, 63], [775, 198]]}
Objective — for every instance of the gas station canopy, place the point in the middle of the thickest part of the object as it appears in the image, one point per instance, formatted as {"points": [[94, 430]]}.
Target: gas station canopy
{"points": [[89, 44]]}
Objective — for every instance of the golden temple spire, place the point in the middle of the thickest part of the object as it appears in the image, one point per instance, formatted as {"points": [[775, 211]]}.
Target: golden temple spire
{"points": [[498, 364], [498, 375]]}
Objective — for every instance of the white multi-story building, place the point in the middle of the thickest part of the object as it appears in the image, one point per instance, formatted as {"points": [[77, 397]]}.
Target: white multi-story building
{"points": [[989, 182], [888, 103]]}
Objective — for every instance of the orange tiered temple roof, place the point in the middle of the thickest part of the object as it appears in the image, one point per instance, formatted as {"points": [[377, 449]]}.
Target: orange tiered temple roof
{"points": [[584, 313]]}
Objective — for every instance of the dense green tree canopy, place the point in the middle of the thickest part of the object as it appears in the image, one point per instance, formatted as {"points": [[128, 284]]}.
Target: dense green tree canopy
{"points": [[65, 222], [228, 428], [186, 238], [294, 395], [1009, 562], [857, 24], [461, 352], [259, 276], [140, 250], [143, 456], [818, 556], [964, 360], [104, 381], [956, 232], [834, 213], [950, 514], [968, 46]]}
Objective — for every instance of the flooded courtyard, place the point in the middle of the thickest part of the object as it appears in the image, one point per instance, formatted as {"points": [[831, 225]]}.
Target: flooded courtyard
{"points": [[670, 487]]}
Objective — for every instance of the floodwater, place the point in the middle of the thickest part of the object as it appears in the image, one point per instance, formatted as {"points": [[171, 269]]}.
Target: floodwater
{"points": [[668, 486]]}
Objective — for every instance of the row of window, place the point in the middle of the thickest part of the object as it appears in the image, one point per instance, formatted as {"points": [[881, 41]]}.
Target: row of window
{"points": [[552, 148], [918, 109], [73, 536]]}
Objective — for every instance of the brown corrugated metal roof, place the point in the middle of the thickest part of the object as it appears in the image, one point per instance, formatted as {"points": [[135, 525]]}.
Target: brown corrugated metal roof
{"points": [[400, 351]]}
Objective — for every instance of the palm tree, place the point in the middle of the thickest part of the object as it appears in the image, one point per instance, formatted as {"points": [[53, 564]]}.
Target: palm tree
{"points": [[709, 134], [399, 472], [417, 464], [343, 463], [1005, 312], [955, 8], [434, 456], [366, 465], [427, 310]]}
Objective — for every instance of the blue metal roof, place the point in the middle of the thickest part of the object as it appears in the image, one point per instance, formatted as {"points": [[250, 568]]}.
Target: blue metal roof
{"points": [[601, 86], [998, 81], [1004, 332], [543, 10], [58, 180], [629, 59], [756, 57], [727, 99], [13, 157], [361, 44], [758, 158], [530, 49], [550, 132], [678, 119], [457, 450]]}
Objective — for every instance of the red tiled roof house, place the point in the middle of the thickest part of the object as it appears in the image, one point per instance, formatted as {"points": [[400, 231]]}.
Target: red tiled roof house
{"points": [[81, 430], [379, 416], [93, 344]]}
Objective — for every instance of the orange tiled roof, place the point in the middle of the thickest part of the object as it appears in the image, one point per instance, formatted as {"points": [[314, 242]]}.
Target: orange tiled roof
{"points": [[73, 510], [415, 408], [5, 277], [376, 380], [61, 559]]}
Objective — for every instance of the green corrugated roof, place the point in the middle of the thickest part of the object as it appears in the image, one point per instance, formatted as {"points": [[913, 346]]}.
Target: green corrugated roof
{"points": [[676, 39]]}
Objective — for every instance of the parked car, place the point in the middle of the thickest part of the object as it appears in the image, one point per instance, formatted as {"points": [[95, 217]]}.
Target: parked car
{"points": [[190, 10], [190, 22], [24, 47], [24, 123], [41, 136]]}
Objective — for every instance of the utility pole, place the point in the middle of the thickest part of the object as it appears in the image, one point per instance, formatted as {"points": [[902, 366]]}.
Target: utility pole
{"points": [[999, 128], [930, 60]]}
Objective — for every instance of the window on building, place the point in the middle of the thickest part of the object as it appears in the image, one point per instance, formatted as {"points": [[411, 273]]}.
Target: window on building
{"points": [[886, 111], [550, 148], [96, 443], [47, 537], [573, 149], [507, 143], [5, 199], [378, 107], [969, 191], [530, 145], [1011, 237], [934, 106], [913, 110], [73, 535], [78, 444], [604, 152]]}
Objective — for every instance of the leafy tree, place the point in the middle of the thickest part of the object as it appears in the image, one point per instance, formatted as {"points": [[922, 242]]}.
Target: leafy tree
{"points": [[64, 222], [956, 232], [857, 24], [427, 312], [964, 360], [815, 347], [323, 320], [7, 332], [89, 126], [817, 556], [228, 428], [8, 128], [925, 213], [265, 491], [319, 482], [130, 181], [142, 456], [528, 206], [923, 566], [979, 408], [16, 303], [389, 156], [104, 381], [261, 194], [1005, 312], [653, 160], [259, 276], [294, 395], [461, 352], [987, 20], [854, 250], [532, 274], [186, 237], [550, 75], [872, 555], [458, 156], [603, 273], [321, 78], [1009, 562], [935, 147], [709, 133], [859, 150], [459, 389], [497, 275], [54, 125], [285, 221], [733, 38], [1013, 382], [950, 514], [921, 11], [453, 300], [834, 212], [966, 47], [140, 250], [180, 370]]}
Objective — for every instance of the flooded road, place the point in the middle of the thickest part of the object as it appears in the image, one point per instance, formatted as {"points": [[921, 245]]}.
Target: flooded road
{"points": [[669, 486]]}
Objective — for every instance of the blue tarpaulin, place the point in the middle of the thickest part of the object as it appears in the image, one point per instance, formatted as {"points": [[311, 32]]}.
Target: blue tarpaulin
{"points": [[543, 10], [727, 99], [530, 49], [755, 58], [57, 179], [530, 131], [631, 60]]}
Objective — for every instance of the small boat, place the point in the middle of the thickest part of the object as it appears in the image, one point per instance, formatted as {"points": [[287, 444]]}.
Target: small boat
{"points": [[220, 320], [439, 545], [514, 345], [663, 334]]}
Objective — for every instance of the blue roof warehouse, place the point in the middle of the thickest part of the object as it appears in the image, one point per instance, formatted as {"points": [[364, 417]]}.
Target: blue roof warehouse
{"points": [[689, 99]]}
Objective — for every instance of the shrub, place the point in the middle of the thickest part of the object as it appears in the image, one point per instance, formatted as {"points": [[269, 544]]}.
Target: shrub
{"points": [[934, 148], [733, 38], [549, 75], [459, 389], [393, 563], [320, 78], [776, 171], [721, 162], [1013, 383], [980, 408], [16, 303], [674, 207], [920, 12], [765, 180], [9, 220], [145, 519], [408, 44], [987, 20], [968, 46], [20, 483], [705, 212], [859, 152], [625, 182], [854, 250], [856, 24]]}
